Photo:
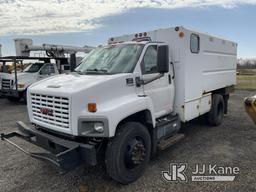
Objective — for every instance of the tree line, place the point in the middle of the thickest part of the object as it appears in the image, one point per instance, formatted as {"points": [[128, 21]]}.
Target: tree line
{"points": [[246, 63]]}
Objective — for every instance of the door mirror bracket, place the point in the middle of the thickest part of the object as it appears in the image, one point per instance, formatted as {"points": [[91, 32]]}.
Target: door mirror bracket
{"points": [[143, 81]]}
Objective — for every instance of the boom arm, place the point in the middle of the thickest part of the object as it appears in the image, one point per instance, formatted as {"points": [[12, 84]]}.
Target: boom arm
{"points": [[25, 46]]}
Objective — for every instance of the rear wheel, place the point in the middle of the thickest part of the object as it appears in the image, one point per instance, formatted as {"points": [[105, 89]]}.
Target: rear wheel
{"points": [[216, 114], [128, 154]]}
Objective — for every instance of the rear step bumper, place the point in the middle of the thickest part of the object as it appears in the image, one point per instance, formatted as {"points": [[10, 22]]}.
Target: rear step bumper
{"points": [[63, 154]]}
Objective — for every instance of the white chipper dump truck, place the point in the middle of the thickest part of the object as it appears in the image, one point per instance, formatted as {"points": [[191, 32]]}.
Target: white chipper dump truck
{"points": [[128, 99]]}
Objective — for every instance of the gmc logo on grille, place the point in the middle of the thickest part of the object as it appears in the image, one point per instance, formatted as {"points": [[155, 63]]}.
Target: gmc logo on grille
{"points": [[46, 111]]}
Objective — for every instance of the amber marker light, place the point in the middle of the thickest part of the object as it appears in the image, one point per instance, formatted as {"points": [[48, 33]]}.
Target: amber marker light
{"points": [[92, 107], [181, 34]]}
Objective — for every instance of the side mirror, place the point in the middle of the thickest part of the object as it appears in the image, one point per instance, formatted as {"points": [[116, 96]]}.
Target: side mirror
{"points": [[163, 59]]}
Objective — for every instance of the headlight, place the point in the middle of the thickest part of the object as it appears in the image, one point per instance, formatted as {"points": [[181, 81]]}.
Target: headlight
{"points": [[92, 127], [21, 85], [99, 127]]}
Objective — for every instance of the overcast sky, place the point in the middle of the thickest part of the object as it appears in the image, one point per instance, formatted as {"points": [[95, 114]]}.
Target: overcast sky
{"points": [[80, 22]]}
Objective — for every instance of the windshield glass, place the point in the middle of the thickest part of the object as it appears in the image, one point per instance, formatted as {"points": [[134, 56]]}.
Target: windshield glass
{"points": [[111, 59], [33, 68]]}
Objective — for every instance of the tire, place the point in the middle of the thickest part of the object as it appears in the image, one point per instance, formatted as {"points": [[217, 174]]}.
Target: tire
{"points": [[124, 162], [24, 96], [216, 114], [14, 99]]}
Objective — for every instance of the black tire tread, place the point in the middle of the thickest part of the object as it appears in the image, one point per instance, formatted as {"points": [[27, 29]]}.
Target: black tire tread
{"points": [[112, 149], [211, 116]]}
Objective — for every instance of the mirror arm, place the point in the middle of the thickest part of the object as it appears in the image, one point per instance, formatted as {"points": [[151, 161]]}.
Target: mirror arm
{"points": [[173, 69], [147, 81]]}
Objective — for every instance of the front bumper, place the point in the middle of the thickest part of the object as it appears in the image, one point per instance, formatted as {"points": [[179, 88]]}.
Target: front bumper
{"points": [[63, 154], [9, 93]]}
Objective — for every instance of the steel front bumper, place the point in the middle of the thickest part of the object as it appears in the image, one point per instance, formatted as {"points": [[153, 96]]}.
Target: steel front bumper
{"points": [[63, 154]]}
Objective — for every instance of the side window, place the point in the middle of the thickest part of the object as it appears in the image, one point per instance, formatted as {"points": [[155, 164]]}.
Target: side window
{"points": [[52, 70], [194, 43], [44, 70], [150, 60], [47, 69]]}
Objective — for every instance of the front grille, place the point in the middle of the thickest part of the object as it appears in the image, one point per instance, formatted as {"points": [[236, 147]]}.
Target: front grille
{"points": [[6, 84], [51, 110]]}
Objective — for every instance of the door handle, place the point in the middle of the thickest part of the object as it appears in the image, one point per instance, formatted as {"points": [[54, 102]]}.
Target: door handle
{"points": [[170, 79]]}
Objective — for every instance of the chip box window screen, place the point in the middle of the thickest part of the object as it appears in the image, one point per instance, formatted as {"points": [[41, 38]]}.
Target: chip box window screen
{"points": [[194, 43]]}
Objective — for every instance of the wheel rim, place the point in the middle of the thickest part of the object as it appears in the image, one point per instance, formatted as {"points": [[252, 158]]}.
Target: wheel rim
{"points": [[135, 153]]}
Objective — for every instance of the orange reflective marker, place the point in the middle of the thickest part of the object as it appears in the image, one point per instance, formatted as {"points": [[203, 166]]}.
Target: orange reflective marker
{"points": [[92, 107], [181, 34]]}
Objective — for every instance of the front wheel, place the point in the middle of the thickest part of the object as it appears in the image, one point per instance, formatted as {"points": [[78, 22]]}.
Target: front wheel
{"points": [[24, 96], [128, 153]]}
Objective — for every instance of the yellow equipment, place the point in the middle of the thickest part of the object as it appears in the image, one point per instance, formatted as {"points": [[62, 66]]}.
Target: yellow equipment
{"points": [[250, 107]]}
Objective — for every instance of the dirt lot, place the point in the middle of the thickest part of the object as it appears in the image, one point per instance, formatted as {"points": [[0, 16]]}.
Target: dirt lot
{"points": [[232, 144]]}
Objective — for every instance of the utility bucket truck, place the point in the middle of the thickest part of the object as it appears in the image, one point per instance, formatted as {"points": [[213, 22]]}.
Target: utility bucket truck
{"points": [[14, 86], [127, 100]]}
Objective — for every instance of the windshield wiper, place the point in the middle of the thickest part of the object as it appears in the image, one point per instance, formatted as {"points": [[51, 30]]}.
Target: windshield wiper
{"points": [[79, 72], [97, 71]]}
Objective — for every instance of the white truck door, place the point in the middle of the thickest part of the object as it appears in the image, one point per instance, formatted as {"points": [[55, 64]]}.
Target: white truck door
{"points": [[161, 91]]}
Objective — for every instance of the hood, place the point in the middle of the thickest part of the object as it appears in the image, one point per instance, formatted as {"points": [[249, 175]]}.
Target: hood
{"points": [[5, 76], [21, 76], [73, 82]]}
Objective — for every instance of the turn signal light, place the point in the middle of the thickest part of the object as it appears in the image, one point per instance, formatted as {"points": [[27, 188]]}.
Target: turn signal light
{"points": [[92, 107]]}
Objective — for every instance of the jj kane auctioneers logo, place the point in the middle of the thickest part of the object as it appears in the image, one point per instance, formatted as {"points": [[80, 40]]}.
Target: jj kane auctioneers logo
{"points": [[203, 172]]}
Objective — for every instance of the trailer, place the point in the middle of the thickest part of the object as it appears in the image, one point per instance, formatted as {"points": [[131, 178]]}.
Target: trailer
{"points": [[128, 99]]}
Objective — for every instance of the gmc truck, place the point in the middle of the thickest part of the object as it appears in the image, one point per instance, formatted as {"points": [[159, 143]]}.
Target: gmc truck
{"points": [[128, 99], [31, 74]]}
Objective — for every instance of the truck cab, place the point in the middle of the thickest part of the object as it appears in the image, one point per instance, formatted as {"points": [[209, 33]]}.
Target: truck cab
{"points": [[127, 100], [31, 74]]}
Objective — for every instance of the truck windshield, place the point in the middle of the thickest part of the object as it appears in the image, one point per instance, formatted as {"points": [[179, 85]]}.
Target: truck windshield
{"points": [[111, 59], [33, 68]]}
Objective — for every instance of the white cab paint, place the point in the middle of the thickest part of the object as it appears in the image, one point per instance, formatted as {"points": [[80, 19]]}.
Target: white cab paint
{"points": [[188, 94]]}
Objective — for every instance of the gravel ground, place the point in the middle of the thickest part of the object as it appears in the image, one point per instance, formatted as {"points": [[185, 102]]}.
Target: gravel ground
{"points": [[232, 144]]}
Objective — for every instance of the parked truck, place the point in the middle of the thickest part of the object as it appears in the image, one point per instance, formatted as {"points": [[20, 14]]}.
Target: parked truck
{"points": [[31, 74], [128, 99], [14, 86]]}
